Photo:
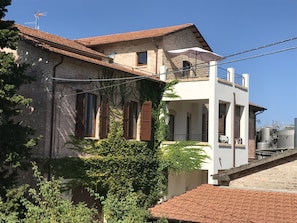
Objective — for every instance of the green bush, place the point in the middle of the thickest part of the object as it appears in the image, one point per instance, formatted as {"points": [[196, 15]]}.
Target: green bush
{"points": [[43, 204]]}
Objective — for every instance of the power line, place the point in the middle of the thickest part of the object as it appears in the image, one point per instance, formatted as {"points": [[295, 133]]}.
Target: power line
{"points": [[259, 55], [93, 80], [101, 88], [262, 47], [196, 66]]}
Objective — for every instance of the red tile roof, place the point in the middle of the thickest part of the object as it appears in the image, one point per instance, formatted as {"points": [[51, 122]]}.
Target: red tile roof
{"points": [[143, 34], [212, 204], [71, 49], [46, 40]]}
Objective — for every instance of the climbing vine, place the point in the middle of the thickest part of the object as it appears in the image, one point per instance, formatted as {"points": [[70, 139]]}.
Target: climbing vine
{"points": [[130, 173]]}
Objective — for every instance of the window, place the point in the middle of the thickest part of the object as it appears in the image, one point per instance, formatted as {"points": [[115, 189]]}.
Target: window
{"points": [[130, 119], [85, 115], [205, 124], [186, 68], [170, 136], [188, 127], [222, 119], [104, 118], [238, 113], [141, 58]]}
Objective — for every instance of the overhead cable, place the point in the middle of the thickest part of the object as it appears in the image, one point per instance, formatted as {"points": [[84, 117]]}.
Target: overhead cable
{"points": [[95, 80], [101, 88], [261, 47], [259, 55]]}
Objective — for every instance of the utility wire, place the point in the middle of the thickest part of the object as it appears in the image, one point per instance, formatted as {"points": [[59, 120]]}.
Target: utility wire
{"points": [[101, 88], [261, 47], [259, 55], [133, 79], [94, 80]]}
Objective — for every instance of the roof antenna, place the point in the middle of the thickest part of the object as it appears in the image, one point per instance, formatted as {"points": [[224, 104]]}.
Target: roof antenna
{"points": [[37, 15]]}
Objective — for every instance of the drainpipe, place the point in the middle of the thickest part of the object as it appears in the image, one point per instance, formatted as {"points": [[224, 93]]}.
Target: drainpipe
{"points": [[234, 118], [52, 130], [157, 55]]}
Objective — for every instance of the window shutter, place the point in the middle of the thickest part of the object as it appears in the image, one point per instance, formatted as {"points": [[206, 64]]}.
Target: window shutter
{"points": [[104, 118], [126, 116], [79, 125], [146, 121]]}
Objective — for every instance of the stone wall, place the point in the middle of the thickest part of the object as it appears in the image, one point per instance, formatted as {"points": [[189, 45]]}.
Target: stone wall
{"points": [[43, 111]]}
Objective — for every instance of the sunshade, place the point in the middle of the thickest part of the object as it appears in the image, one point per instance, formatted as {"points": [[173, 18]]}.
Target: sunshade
{"points": [[198, 53]]}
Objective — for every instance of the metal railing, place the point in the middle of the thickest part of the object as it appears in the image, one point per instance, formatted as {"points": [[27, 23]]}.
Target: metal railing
{"points": [[222, 73], [239, 79], [201, 72]]}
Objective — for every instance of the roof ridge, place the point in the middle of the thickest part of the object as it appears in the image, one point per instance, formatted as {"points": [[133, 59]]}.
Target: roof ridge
{"points": [[139, 31], [143, 34]]}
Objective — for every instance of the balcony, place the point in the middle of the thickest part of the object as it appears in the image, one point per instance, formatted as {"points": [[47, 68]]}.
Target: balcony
{"points": [[202, 72]]}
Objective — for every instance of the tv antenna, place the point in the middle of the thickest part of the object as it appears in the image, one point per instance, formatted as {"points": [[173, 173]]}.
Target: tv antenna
{"points": [[37, 15]]}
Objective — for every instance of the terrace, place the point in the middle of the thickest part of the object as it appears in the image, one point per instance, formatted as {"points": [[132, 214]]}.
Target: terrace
{"points": [[201, 72]]}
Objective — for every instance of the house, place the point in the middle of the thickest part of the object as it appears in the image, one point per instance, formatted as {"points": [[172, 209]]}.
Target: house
{"points": [[75, 90], [209, 203], [213, 103], [277, 172]]}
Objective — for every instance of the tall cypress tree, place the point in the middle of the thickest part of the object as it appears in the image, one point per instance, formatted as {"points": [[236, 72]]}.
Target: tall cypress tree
{"points": [[16, 139]]}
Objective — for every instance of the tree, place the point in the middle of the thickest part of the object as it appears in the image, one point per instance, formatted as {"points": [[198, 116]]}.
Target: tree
{"points": [[43, 203], [16, 139]]}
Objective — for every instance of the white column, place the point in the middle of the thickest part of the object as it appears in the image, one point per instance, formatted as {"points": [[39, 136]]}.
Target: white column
{"points": [[213, 118], [163, 73], [231, 75], [213, 71], [213, 105], [246, 80]]}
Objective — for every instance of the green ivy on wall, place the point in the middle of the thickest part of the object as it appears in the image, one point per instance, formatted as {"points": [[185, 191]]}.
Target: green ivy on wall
{"points": [[127, 171]]}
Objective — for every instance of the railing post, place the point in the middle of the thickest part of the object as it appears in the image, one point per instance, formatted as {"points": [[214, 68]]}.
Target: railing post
{"points": [[213, 71], [245, 80], [231, 75]]}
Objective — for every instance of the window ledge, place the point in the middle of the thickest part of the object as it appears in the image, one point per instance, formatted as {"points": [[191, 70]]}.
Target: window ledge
{"points": [[229, 146]]}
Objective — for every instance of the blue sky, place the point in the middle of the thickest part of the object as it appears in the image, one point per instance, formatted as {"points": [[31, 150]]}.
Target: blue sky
{"points": [[228, 26]]}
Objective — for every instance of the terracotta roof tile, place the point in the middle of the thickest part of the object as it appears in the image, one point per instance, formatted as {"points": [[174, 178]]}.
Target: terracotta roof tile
{"points": [[72, 49], [208, 203], [59, 42], [143, 34]]}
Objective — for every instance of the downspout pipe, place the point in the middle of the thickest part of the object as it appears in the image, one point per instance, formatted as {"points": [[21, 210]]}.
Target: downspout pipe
{"points": [[157, 55], [52, 124]]}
